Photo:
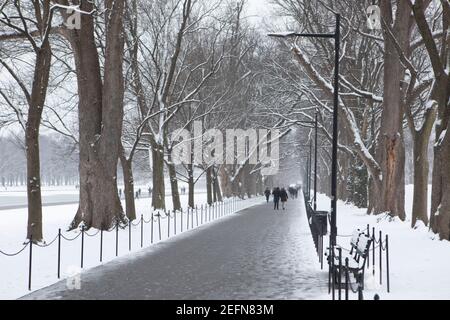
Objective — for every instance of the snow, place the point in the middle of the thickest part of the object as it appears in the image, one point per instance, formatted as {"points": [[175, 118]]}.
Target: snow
{"points": [[14, 275], [256, 255], [441, 138], [419, 261]]}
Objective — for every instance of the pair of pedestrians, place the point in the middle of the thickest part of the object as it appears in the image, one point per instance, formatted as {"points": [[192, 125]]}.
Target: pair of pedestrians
{"points": [[279, 195]]}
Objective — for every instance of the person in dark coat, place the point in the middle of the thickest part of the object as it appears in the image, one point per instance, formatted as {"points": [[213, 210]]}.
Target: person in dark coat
{"points": [[276, 198], [283, 197], [267, 194], [291, 192]]}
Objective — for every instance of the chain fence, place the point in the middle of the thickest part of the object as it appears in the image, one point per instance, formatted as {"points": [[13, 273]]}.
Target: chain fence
{"points": [[177, 221]]}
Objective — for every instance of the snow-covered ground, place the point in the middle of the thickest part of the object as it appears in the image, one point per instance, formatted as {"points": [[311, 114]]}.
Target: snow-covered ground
{"points": [[419, 261], [16, 197], [14, 275]]}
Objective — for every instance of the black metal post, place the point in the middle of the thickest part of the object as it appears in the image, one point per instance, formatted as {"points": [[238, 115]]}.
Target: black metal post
{"points": [[329, 269], [129, 235], [334, 167], [142, 230], [381, 258], [168, 223], [387, 265], [181, 219], [101, 245], [187, 218], [82, 247], [360, 291], [175, 221], [315, 162], [151, 233], [159, 225], [368, 253], [346, 279], [310, 170], [340, 274], [117, 238], [59, 254], [331, 273], [30, 263], [373, 251]]}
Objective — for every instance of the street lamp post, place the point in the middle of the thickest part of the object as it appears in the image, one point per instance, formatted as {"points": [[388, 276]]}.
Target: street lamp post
{"points": [[336, 36], [337, 43], [315, 162], [310, 170]]}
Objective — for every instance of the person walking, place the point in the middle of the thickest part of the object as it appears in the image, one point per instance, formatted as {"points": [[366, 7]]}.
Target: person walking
{"points": [[276, 198], [267, 194], [284, 198]]}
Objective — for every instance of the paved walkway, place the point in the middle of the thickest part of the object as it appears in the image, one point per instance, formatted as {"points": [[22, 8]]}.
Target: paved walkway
{"points": [[255, 254]]}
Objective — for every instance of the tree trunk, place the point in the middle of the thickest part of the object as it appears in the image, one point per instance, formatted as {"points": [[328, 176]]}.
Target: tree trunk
{"points": [[100, 118], [174, 186], [128, 181], [209, 193], [36, 104], [440, 204], [216, 188], [443, 216], [191, 185], [34, 183], [226, 185], [159, 190], [249, 180], [391, 153], [421, 170]]}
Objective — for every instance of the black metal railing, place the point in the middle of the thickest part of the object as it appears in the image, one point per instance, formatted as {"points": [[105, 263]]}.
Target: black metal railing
{"points": [[318, 223], [377, 256]]}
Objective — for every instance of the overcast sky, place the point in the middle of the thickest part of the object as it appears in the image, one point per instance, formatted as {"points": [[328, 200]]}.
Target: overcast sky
{"points": [[258, 10]]}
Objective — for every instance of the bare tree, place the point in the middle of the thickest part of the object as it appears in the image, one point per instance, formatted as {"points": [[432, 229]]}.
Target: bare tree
{"points": [[21, 21], [440, 204], [100, 111]]}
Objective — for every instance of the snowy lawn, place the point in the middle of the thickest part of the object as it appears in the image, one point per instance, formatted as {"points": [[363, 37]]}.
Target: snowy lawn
{"points": [[419, 261], [14, 275]]}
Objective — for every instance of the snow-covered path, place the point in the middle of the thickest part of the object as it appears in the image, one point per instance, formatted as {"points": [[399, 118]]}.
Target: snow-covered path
{"points": [[254, 254]]}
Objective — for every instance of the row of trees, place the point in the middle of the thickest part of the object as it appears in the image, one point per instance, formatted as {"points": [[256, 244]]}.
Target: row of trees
{"points": [[56, 152], [392, 80], [118, 86], [137, 70]]}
